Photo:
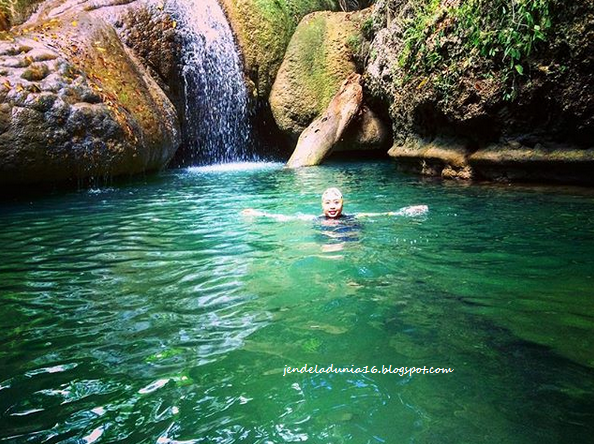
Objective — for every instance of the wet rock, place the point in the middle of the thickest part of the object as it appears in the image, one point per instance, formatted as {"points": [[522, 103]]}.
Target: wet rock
{"points": [[439, 157], [316, 63], [151, 33], [75, 105], [501, 162], [316, 142], [511, 161]]}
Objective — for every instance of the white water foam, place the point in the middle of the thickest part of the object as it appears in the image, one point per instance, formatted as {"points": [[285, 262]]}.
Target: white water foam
{"points": [[236, 166]]}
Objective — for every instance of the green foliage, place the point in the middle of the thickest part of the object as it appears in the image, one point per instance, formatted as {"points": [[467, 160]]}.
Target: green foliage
{"points": [[502, 34], [367, 28], [354, 43], [416, 31]]}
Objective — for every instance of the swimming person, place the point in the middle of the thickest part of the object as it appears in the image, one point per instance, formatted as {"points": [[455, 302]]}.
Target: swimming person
{"points": [[332, 206], [336, 228]]}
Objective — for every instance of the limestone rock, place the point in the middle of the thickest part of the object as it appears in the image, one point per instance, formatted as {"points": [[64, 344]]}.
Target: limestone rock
{"points": [[75, 104], [324, 133], [152, 35], [511, 161], [501, 162], [436, 89], [316, 63], [366, 132], [439, 157]]}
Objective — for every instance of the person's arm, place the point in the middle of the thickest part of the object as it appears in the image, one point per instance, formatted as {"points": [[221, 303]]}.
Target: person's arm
{"points": [[358, 215], [414, 210]]}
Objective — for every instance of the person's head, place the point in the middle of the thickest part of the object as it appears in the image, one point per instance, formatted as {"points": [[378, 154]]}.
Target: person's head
{"points": [[332, 203]]}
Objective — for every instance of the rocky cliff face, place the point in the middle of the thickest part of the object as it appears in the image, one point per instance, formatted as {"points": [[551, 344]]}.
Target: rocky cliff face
{"points": [[473, 89], [75, 104], [464, 80]]}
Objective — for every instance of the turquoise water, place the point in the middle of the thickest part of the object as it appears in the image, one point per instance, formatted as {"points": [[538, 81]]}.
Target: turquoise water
{"points": [[153, 312]]}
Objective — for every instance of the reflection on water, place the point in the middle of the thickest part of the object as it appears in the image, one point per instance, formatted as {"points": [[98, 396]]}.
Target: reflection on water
{"points": [[155, 312]]}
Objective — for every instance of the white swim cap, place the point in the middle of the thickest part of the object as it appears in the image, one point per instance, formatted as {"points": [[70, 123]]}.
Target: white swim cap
{"points": [[332, 193]]}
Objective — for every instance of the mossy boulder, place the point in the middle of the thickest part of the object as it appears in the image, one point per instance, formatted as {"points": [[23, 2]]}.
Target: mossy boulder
{"points": [[319, 58], [263, 29], [75, 104]]}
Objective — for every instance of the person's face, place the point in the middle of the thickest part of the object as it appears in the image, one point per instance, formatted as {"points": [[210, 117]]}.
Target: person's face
{"points": [[332, 206]]}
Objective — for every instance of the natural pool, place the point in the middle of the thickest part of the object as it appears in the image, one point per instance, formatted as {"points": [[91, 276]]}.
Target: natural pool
{"points": [[153, 312]]}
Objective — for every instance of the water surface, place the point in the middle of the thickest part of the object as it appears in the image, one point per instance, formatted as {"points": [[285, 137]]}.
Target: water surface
{"points": [[153, 312]]}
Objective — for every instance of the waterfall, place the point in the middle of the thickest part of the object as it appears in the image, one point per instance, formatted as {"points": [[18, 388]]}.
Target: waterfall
{"points": [[217, 123]]}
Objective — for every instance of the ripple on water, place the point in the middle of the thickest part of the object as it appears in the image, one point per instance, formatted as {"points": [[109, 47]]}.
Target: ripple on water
{"points": [[153, 312]]}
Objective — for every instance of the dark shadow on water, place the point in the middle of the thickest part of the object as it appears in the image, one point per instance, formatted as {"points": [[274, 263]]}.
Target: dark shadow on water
{"points": [[40, 191]]}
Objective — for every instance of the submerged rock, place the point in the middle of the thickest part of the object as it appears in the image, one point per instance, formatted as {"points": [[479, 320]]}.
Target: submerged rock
{"points": [[75, 104], [324, 133]]}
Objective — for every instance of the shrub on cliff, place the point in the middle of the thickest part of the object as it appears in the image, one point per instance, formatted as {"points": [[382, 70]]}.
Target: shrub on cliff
{"points": [[497, 35], [482, 68]]}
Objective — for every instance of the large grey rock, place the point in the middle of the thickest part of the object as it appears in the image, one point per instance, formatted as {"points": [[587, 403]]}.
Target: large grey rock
{"points": [[75, 104]]}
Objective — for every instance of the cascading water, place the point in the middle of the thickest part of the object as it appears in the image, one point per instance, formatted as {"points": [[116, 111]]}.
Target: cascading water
{"points": [[217, 123]]}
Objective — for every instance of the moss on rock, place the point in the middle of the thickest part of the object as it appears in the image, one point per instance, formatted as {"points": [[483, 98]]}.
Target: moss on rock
{"points": [[263, 29], [13, 12], [316, 63], [77, 105]]}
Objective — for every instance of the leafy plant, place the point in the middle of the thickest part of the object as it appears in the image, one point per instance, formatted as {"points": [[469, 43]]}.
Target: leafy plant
{"points": [[353, 42], [367, 28], [503, 34]]}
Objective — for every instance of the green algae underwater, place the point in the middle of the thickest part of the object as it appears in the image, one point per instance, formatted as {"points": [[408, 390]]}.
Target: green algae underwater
{"points": [[153, 311]]}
